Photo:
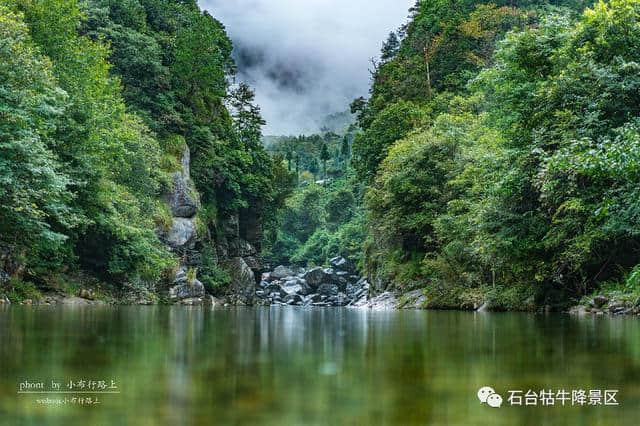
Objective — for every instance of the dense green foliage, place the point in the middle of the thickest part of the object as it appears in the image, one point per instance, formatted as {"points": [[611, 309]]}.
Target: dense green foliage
{"points": [[323, 217], [496, 157], [500, 144], [97, 101]]}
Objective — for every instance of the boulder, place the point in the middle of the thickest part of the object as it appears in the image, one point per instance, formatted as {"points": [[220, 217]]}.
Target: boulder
{"points": [[293, 289], [281, 272], [4, 277], [342, 264], [243, 283], [274, 288], [182, 199], [328, 289], [600, 301], [298, 284], [294, 299], [193, 301], [617, 307], [354, 291], [87, 294], [384, 301], [315, 277], [186, 290], [253, 263], [579, 310], [75, 301], [341, 300], [415, 299], [241, 248], [231, 225], [182, 233], [485, 307], [213, 301]]}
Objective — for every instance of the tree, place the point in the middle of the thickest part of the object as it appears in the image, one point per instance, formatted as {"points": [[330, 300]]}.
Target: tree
{"points": [[345, 148], [393, 123], [35, 211], [324, 157], [390, 47], [248, 121]]}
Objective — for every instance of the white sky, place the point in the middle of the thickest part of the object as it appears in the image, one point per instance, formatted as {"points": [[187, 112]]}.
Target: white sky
{"points": [[327, 44]]}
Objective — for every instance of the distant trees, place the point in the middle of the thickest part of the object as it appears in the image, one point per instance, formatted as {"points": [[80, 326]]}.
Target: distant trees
{"points": [[324, 157]]}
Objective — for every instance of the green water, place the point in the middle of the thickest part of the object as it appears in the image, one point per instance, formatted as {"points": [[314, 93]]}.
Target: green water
{"points": [[289, 366]]}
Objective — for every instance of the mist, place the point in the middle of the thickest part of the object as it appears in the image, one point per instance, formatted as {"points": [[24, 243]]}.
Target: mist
{"points": [[306, 59]]}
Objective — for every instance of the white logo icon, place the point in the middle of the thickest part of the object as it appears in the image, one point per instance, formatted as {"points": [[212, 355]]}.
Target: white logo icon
{"points": [[487, 395]]}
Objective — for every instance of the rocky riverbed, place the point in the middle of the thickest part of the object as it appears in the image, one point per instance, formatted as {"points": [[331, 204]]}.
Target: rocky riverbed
{"points": [[614, 303], [336, 285]]}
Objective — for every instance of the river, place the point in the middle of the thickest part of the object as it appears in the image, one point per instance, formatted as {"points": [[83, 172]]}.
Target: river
{"points": [[293, 366]]}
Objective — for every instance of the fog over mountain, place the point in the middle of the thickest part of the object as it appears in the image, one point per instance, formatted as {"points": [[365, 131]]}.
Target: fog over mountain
{"points": [[306, 59]]}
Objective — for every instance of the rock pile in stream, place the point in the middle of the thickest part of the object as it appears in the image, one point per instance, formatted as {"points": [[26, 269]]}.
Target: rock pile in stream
{"points": [[337, 285]]}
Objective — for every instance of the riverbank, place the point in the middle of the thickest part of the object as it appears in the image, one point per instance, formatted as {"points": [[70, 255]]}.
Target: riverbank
{"points": [[335, 285]]}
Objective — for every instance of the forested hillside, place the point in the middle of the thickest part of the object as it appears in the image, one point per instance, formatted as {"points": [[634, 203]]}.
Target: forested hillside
{"points": [[494, 160], [500, 147], [110, 109], [323, 217]]}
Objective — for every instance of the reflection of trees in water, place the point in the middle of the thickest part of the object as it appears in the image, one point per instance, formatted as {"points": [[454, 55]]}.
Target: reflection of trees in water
{"points": [[193, 365]]}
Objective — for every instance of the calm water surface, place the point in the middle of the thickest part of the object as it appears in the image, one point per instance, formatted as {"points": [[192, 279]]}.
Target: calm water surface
{"points": [[292, 366]]}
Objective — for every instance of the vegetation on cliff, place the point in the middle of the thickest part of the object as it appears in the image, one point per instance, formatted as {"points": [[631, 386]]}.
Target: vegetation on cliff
{"points": [[98, 100]]}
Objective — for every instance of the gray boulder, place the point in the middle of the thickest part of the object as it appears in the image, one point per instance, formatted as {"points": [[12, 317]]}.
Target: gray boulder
{"points": [[241, 248], [600, 301], [298, 284], [274, 288], [231, 225], [328, 289], [294, 299], [182, 233], [292, 289], [186, 290], [182, 199], [243, 282], [281, 272], [342, 264], [254, 263], [315, 277], [341, 300], [384, 301], [355, 291]]}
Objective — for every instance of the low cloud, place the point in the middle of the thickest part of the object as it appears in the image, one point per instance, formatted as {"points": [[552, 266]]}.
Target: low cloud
{"points": [[306, 58]]}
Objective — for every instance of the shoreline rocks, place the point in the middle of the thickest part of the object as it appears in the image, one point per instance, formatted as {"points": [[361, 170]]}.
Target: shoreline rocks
{"points": [[322, 287], [614, 304]]}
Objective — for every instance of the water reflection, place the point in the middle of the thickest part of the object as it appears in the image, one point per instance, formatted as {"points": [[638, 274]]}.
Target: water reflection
{"points": [[193, 366]]}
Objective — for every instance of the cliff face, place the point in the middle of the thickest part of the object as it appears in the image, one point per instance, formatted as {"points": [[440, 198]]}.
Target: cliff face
{"points": [[239, 258], [231, 240]]}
